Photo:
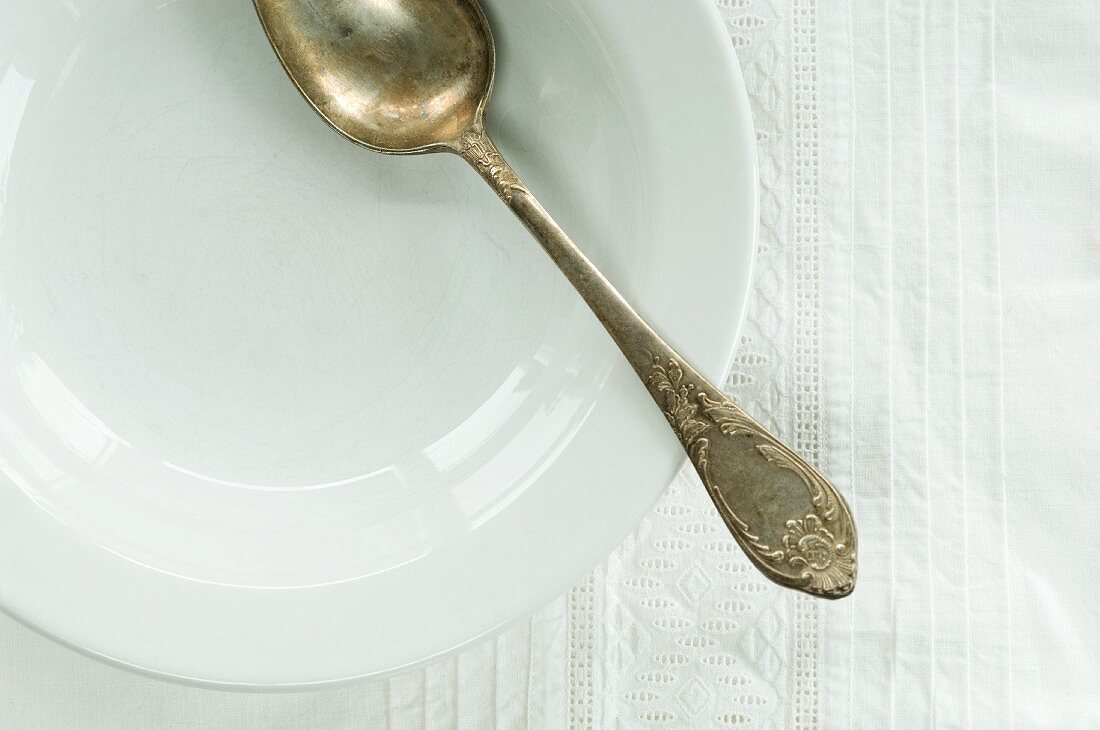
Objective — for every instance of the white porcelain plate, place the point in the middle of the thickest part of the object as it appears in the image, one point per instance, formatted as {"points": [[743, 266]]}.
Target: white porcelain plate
{"points": [[279, 412]]}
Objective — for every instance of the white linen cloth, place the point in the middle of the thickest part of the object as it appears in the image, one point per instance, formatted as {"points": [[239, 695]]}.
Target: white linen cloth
{"points": [[925, 326]]}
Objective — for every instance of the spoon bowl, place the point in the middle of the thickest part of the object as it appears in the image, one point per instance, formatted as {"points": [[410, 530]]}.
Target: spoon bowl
{"points": [[397, 76]]}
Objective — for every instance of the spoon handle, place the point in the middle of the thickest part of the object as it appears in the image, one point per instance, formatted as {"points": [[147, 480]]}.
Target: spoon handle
{"points": [[786, 516]]}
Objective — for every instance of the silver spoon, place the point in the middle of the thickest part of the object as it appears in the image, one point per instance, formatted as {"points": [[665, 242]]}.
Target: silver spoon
{"points": [[415, 76]]}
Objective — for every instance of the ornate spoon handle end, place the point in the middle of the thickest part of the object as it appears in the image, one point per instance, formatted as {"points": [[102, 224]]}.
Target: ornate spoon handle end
{"points": [[789, 520]]}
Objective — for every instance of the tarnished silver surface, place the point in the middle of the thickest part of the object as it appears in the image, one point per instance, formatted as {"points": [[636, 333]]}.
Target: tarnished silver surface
{"points": [[414, 76]]}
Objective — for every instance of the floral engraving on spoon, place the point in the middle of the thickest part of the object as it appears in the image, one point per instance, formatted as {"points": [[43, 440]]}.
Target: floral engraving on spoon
{"points": [[826, 560]]}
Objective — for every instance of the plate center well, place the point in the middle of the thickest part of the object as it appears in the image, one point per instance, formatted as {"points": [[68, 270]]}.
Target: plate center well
{"points": [[244, 350]]}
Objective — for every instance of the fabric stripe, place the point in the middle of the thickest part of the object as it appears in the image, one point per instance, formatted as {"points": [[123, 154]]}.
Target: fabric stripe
{"points": [[439, 694], [809, 417], [946, 368], [982, 301], [475, 695], [512, 681]]}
